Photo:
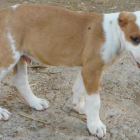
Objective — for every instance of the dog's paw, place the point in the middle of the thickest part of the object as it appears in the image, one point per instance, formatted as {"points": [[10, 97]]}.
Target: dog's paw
{"points": [[97, 129], [39, 104], [4, 114]]}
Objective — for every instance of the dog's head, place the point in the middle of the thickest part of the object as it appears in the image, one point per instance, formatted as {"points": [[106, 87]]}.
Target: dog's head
{"points": [[130, 25]]}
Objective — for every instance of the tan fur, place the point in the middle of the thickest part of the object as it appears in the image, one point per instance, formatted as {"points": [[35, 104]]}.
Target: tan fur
{"points": [[6, 57], [68, 38], [56, 36], [92, 62]]}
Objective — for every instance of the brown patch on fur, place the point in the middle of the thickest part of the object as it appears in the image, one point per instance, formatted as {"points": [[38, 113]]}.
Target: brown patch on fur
{"points": [[127, 23]]}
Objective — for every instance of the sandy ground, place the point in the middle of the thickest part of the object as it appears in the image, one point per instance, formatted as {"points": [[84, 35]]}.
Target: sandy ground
{"points": [[120, 92]]}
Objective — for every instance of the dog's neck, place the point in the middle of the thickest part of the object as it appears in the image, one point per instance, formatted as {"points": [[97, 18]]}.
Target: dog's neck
{"points": [[113, 48]]}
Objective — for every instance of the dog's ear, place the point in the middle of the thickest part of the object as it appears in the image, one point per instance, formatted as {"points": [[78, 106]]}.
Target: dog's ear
{"points": [[125, 18]]}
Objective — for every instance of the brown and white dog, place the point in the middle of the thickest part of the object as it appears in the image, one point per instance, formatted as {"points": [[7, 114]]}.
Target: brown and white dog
{"points": [[56, 36]]}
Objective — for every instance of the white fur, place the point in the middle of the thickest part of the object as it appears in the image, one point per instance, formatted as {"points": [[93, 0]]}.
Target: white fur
{"points": [[15, 6], [137, 13], [79, 92], [112, 46], [12, 43], [21, 83], [115, 42], [94, 124]]}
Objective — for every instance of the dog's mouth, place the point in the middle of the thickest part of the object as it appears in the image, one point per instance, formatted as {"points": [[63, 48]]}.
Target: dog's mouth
{"points": [[138, 64]]}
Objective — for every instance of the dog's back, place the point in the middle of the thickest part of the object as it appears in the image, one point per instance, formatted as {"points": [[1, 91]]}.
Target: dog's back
{"points": [[47, 29]]}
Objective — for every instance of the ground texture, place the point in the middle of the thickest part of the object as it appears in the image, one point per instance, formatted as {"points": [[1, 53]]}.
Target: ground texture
{"points": [[120, 91]]}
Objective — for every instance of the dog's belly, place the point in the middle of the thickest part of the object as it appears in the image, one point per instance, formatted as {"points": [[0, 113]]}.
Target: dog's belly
{"points": [[29, 58]]}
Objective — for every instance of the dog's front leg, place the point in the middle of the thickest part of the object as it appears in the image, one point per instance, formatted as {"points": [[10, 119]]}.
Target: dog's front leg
{"points": [[91, 80], [94, 124]]}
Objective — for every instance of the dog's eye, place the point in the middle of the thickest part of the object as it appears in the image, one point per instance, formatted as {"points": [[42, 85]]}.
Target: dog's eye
{"points": [[135, 39]]}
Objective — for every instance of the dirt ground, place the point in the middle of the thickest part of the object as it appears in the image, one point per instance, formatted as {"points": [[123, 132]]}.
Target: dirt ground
{"points": [[120, 92]]}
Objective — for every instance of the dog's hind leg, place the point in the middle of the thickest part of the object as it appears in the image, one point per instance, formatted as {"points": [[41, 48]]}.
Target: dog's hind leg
{"points": [[9, 56], [4, 113], [21, 82]]}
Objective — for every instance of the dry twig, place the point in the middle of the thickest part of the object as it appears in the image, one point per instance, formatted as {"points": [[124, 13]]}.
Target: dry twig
{"points": [[35, 119], [38, 66], [81, 117], [33, 84]]}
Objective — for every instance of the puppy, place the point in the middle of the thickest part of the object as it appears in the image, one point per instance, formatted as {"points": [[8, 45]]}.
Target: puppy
{"points": [[56, 36]]}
